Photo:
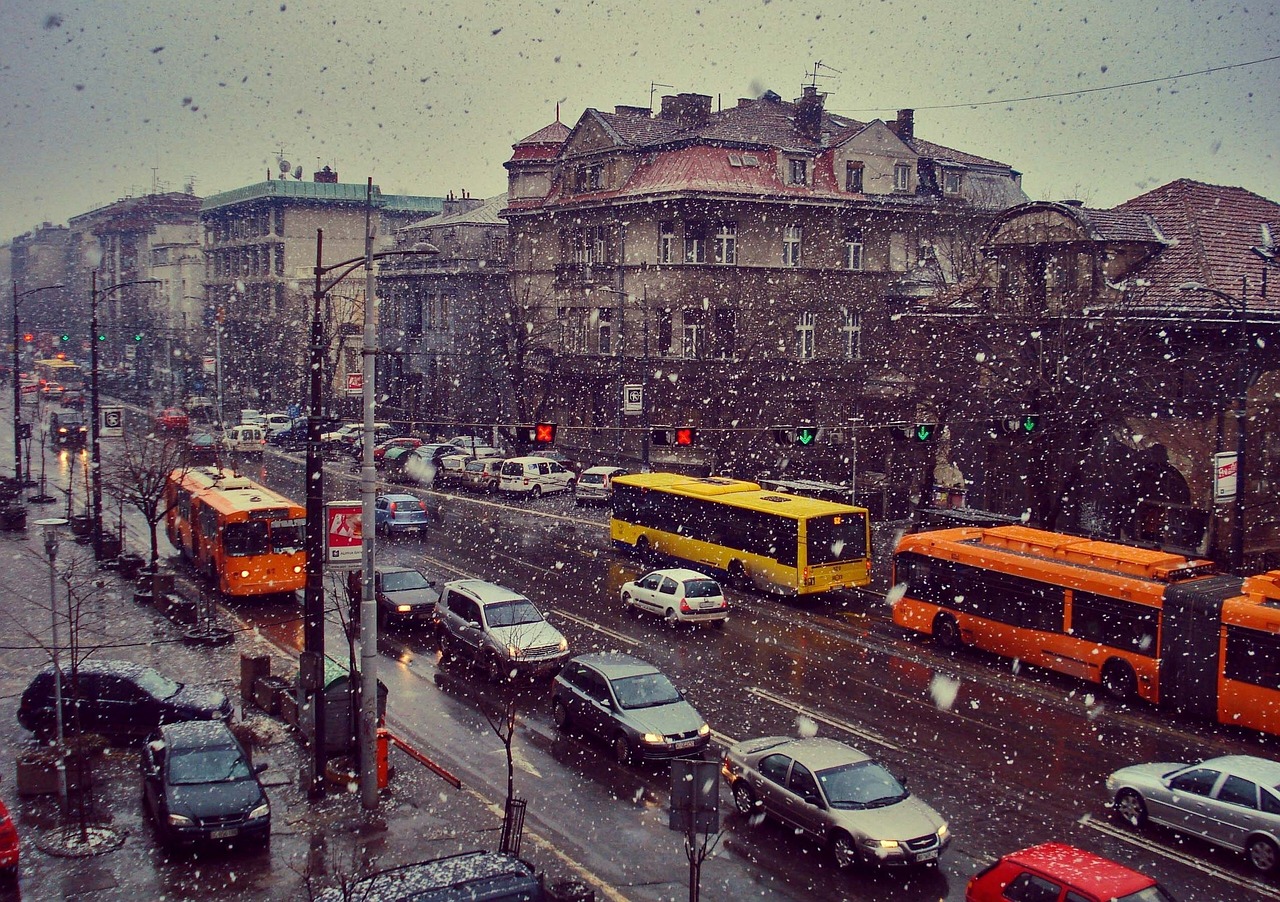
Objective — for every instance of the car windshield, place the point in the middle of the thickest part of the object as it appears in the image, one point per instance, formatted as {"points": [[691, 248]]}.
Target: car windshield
{"points": [[1150, 894], [221, 764], [512, 613], [475, 466], [156, 684], [644, 690], [862, 785], [402, 580], [701, 588], [592, 479]]}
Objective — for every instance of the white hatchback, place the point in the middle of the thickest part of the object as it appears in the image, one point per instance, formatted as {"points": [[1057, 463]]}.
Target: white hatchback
{"points": [[679, 595], [535, 476]]}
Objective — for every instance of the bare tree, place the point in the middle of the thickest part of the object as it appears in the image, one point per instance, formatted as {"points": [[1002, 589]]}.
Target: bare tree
{"points": [[138, 477]]}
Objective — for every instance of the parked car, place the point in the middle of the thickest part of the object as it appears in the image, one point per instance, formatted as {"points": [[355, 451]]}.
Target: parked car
{"points": [[403, 594], [452, 468], [419, 465], [172, 419], [468, 442], [629, 703], [679, 595], [488, 876], [1047, 871], [10, 846], [251, 417], [291, 439], [534, 476], [395, 514], [838, 795], [342, 433], [244, 439], [198, 786], [401, 442], [67, 429], [1232, 801], [595, 485], [496, 629], [118, 699], [277, 422], [483, 475]]}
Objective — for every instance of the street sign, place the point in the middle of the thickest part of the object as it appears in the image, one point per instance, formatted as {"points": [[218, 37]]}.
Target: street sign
{"points": [[210, 365], [632, 399], [343, 535], [1226, 469], [112, 425], [355, 383]]}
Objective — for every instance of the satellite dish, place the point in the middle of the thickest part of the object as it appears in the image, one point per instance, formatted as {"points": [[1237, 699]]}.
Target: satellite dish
{"points": [[285, 166], [297, 172]]}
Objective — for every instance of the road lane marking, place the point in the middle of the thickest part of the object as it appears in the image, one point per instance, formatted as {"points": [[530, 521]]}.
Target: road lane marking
{"points": [[592, 625], [822, 718], [1132, 839], [722, 739]]}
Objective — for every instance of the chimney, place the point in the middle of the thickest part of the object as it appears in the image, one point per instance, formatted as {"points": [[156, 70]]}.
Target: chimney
{"points": [[326, 175], [905, 127], [641, 112], [809, 113], [686, 110]]}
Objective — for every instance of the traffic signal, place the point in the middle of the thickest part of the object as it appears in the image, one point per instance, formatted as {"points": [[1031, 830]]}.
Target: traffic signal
{"points": [[102, 336], [921, 432], [1024, 425], [806, 435], [678, 435], [137, 336], [795, 435], [64, 337], [538, 433], [28, 337]]}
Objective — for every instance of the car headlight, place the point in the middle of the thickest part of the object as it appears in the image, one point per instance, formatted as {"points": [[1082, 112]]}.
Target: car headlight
{"points": [[652, 738], [881, 843], [403, 608], [244, 574], [704, 729], [563, 644], [943, 832], [177, 820], [263, 810], [297, 569]]}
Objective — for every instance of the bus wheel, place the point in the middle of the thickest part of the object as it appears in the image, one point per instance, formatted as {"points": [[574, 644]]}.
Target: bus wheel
{"points": [[946, 632], [738, 575], [1119, 680]]}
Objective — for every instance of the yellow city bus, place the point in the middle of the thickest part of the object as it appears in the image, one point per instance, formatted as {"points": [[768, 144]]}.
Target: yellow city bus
{"points": [[781, 543]]}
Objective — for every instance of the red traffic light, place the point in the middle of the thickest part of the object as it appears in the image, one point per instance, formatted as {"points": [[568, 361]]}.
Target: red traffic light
{"points": [[544, 433], [27, 336], [685, 435]]}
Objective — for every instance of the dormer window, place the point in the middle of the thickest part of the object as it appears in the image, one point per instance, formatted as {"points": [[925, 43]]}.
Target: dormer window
{"points": [[798, 172], [589, 178], [853, 176], [951, 181], [901, 177]]}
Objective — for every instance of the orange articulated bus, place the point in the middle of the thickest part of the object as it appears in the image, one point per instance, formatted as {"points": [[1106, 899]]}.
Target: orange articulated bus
{"points": [[247, 539], [1139, 622]]}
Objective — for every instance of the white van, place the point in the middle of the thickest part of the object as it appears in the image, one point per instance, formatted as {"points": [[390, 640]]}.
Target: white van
{"points": [[275, 422], [534, 476], [245, 439]]}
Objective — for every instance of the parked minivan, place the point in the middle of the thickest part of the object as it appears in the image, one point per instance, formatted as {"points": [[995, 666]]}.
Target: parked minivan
{"points": [[535, 476], [245, 439]]}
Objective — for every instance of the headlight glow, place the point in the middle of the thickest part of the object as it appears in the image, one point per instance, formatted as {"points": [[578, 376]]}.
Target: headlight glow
{"points": [[177, 820], [403, 608], [652, 738], [882, 843], [944, 831], [262, 810], [563, 644], [704, 729], [244, 574], [514, 651]]}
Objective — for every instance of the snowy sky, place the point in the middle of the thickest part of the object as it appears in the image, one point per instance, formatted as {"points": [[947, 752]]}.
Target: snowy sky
{"points": [[107, 100]]}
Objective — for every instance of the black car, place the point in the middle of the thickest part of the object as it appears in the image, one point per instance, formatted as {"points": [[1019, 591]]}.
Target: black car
{"points": [[420, 464], [292, 439], [198, 786], [67, 429], [403, 594], [491, 876], [118, 699]]}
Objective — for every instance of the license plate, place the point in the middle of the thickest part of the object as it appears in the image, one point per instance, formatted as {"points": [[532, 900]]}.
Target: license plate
{"points": [[928, 856], [685, 744], [223, 834]]}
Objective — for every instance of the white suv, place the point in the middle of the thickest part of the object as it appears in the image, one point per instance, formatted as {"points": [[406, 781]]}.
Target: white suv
{"points": [[497, 629], [535, 476]]}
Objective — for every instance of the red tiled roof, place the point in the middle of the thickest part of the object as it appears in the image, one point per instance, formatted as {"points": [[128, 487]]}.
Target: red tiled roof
{"points": [[1212, 230], [555, 133]]}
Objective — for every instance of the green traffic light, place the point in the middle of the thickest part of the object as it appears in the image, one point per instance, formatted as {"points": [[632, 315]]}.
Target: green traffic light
{"points": [[137, 336], [924, 431], [805, 435], [1030, 423], [102, 337], [64, 337]]}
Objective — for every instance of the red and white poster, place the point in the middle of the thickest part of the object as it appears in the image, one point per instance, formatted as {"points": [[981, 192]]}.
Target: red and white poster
{"points": [[355, 383], [343, 534]]}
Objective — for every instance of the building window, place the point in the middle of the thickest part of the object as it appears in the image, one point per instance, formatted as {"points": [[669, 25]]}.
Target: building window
{"points": [[852, 329], [726, 248], [798, 172], [804, 336], [280, 222], [726, 333], [665, 332], [897, 252], [413, 317], [599, 239], [573, 337], [853, 249], [791, 236], [901, 177], [853, 176], [604, 330], [695, 242], [951, 181], [589, 178], [694, 334], [279, 259], [667, 242]]}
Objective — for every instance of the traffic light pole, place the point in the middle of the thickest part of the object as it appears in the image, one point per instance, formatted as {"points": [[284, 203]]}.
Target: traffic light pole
{"points": [[17, 388]]}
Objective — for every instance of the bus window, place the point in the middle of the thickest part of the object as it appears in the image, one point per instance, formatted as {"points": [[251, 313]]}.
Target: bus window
{"points": [[836, 538], [1114, 622], [286, 539], [245, 539]]}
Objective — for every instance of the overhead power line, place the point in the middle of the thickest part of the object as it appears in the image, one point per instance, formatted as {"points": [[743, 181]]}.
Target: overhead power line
{"points": [[1080, 91]]}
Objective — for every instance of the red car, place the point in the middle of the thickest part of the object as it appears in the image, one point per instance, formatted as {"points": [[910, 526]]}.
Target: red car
{"points": [[8, 845], [172, 419], [1053, 871], [380, 450]]}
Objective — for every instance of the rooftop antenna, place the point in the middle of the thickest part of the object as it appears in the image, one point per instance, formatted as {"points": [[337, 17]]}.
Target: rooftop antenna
{"points": [[811, 78], [653, 89]]}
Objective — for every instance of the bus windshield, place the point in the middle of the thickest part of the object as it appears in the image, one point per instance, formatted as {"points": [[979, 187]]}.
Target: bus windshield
{"points": [[246, 539], [286, 539], [835, 538]]}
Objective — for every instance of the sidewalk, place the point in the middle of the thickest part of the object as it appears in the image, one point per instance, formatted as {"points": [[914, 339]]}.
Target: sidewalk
{"points": [[316, 843]]}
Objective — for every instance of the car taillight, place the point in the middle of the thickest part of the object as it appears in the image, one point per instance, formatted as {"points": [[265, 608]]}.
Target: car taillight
{"points": [[391, 507], [423, 505], [684, 606]]}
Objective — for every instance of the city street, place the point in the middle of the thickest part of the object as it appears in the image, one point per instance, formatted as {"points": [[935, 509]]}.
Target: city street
{"points": [[1010, 757]]}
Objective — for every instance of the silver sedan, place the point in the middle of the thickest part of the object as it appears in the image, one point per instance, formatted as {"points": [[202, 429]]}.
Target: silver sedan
{"points": [[1233, 802], [838, 795]]}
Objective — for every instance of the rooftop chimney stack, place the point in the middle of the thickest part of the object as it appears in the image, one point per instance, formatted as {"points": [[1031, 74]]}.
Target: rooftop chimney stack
{"points": [[686, 110], [809, 113], [906, 124]]}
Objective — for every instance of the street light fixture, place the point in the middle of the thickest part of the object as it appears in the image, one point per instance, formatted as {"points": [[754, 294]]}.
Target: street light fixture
{"points": [[311, 665], [94, 293], [1240, 306], [51, 526], [17, 389]]}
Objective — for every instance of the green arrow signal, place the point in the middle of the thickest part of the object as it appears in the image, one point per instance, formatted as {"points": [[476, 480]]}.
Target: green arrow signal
{"points": [[924, 431], [1030, 423], [805, 435]]}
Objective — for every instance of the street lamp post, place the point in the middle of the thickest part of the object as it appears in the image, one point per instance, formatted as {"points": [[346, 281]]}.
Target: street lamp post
{"points": [[17, 389], [51, 525], [311, 668], [1240, 307], [94, 294]]}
